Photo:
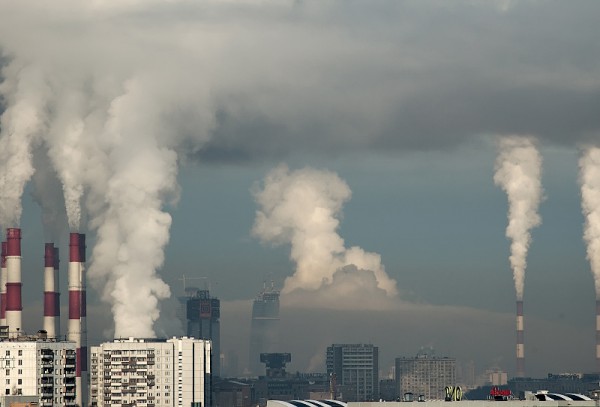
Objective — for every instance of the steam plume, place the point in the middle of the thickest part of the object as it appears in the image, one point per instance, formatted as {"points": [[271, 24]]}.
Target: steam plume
{"points": [[589, 178], [21, 125], [113, 123], [302, 208], [518, 173]]}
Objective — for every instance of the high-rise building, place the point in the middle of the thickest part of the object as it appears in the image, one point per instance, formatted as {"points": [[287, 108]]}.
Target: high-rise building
{"points": [[356, 370], [264, 329], [203, 315], [426, 374], [151, 372], [35, 366]]}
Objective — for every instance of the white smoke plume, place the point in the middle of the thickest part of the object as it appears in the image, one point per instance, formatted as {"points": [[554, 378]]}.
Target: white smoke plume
{"points": [[21, 127], [518, 173], [112, 112], [589, 178], [302, 208]]}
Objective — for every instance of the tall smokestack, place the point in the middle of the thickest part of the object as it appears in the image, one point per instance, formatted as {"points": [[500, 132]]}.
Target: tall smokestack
{"points": [[83, 318], [75, 308], [3, 278], [13, 282], [57, 285], [520, 340], [51, 315], [597, 335]]}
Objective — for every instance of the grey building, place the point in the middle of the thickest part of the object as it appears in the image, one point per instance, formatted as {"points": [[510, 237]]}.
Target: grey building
{"points": [[355, 368], [264, 328], [425, 374]]}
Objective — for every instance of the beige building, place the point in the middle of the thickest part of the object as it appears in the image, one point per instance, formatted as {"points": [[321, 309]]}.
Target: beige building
{"points": [[425, 374]]}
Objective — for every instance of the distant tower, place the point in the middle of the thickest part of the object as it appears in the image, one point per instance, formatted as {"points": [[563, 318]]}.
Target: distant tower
{"points": [[264, 329], [203, 321], [520, 340]]}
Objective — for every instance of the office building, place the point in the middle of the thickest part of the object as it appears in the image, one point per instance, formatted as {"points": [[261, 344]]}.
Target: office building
{"points": [[425, 374], [264, 328], [35, 366], [356, 371], [203, 322], [151, 373]]}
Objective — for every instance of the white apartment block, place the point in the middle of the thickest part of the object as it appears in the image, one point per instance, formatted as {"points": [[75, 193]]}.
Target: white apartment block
{"points": [[151, 373], [38, 367]]}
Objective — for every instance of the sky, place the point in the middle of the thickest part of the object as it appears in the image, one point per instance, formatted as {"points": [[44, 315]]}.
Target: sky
{"points": [[165, 123]]}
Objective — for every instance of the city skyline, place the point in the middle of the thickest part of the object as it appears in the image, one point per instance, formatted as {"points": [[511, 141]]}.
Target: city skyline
{"points": [[404, 102]]}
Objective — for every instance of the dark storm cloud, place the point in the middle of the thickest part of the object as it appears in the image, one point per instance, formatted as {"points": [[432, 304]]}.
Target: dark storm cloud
{"points": [[411, 76]]}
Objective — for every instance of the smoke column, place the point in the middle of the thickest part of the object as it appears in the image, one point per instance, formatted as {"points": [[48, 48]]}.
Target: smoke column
{"points": [[589, 179], [21, 125], [302, 208], [518, 173]]}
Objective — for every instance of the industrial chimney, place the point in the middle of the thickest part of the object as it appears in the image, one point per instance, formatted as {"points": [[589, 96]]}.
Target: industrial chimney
{"points": [[13, 282], [520, 341], [3, 278], [77, 310], [51, 295], [83, 318], [598, 335]]}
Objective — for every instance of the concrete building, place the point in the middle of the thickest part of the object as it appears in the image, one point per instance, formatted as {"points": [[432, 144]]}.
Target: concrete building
{"points": [[203, 322], [32, 366], [151, 373], [264, 329], [425, 374], [356, 371]]}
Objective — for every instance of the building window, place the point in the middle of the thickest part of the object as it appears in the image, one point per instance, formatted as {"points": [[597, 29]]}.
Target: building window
{"points": [[20, 362], [7, 353], [7, 372], [20, 381], [7, 381], [20, 352], [20, 371], [7, 391]]}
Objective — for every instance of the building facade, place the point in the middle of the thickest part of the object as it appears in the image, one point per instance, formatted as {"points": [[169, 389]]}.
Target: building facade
{"points": [[356, 370], [264, 328], [39, 367], [151, 373], [203, 314], [425, 374]]}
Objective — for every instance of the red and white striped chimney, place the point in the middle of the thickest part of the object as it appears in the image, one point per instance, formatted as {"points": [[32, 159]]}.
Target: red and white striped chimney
{"points": [[598, 335], [84, 347], [57, 285], [3, 278], [51, 314], [520, 340], [13, 282], [77, 311]]}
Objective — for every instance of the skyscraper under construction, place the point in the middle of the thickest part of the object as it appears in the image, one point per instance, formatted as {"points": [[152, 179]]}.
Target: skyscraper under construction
{"points": [[203, 321], [264, 329]]}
